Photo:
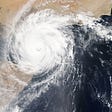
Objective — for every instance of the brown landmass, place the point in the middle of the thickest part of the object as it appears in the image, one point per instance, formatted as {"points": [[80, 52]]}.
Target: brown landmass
{"points": [[8, 8]]}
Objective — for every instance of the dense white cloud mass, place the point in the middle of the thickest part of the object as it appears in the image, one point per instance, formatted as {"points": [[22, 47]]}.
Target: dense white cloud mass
{"points": [[39, 42]]}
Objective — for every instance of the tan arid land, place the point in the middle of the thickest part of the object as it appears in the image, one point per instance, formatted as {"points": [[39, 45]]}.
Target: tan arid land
{"points": [[11, 80], [8, 8]]}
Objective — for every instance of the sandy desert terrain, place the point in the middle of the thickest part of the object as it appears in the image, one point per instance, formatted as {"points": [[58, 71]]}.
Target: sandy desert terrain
{"points": [[98, 7]]}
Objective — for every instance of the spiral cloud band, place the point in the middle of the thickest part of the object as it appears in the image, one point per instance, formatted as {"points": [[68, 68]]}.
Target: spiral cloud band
{"points": [[39, 42]]}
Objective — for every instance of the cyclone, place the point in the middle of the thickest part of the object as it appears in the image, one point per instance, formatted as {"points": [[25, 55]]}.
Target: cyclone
{"points": [[39, 42]]}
